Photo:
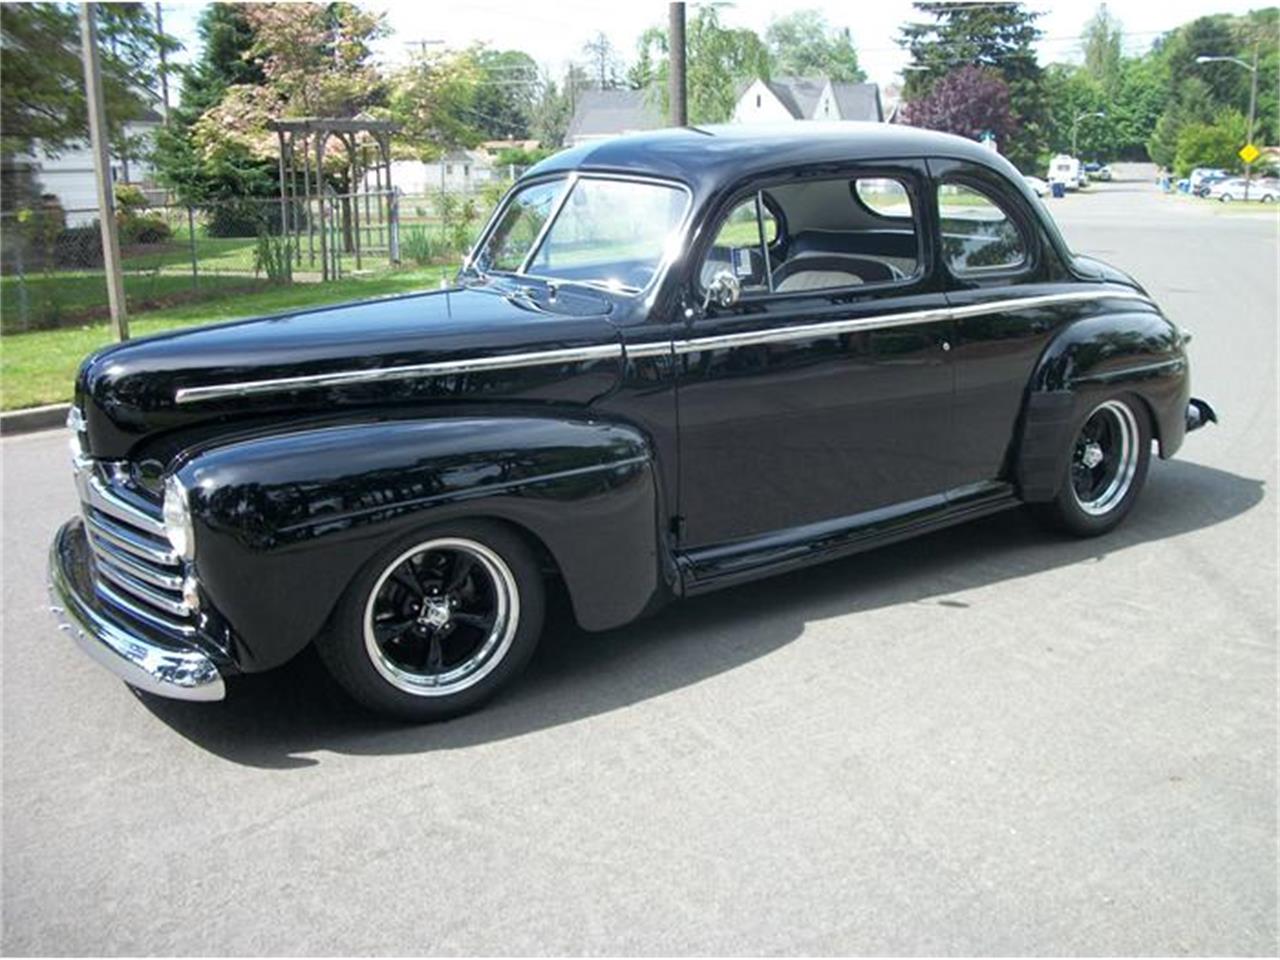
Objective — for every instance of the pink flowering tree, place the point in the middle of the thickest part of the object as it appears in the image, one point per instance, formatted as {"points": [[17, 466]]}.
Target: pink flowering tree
{"points": [[969, 101]]}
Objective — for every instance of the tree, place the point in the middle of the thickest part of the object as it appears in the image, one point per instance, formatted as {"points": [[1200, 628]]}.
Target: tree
{"points": [[42, 104], [227, 39], [432, 100], [969, 102], [1103, 52], [803, 44], [1211, 145], [551, 114], [999, 36], [1198, 94], [718, 60], [505, 92], [317, 58], [602, 61]]}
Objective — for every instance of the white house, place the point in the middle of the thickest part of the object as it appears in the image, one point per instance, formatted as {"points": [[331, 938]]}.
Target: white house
{"points": [[458, 171], [70, 177], [807, 98]]}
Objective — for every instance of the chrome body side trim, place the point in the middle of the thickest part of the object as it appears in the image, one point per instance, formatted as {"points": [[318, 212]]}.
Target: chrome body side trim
{"points": [[613, 351], [183, 673], [441, 368], [887, 321]]}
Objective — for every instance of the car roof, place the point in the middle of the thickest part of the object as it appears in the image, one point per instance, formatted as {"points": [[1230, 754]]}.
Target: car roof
{"points": [[706, 157]]}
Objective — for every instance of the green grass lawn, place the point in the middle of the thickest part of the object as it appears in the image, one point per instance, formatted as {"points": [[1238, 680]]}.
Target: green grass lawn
{"points": [[39, 367]]}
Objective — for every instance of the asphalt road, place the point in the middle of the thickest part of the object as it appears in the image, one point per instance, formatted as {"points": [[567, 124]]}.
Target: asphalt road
{"points": [[987, 741]]}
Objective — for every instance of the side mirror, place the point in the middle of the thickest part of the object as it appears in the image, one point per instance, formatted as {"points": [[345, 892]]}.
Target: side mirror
{"points": [[724, 290]]}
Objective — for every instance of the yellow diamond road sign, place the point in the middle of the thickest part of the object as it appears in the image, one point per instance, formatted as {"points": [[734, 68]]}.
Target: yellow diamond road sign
{"points": [[1249, 153]]}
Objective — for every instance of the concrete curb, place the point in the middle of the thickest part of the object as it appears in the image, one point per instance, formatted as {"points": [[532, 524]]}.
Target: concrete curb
{"points": [[36, 418]]}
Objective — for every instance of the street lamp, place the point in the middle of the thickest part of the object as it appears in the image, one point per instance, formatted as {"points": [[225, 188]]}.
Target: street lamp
{"points": [[1075, 124], [1253, 101]]}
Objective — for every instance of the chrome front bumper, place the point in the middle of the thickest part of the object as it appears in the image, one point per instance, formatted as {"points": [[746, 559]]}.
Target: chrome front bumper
{"points": [[155, 665]]}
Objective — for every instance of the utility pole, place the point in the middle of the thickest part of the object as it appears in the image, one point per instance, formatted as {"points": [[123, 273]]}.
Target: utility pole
{"points": [[164, 66], [1075, 126], [98, 136], [1253, 101], [677, 93], [1253, 106]]}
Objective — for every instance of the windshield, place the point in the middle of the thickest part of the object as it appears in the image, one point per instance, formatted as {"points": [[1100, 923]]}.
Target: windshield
{"points": [[609, 233]]}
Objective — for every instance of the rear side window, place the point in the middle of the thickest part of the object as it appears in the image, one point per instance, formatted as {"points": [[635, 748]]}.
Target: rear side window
{"points": [[977, 234]]}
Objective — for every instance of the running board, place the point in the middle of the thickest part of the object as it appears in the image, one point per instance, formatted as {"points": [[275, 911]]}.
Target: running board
{"points": [[723, 565]]}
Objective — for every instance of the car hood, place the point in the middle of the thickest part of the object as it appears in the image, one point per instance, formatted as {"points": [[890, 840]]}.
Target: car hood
{"points": [[130, 393]]}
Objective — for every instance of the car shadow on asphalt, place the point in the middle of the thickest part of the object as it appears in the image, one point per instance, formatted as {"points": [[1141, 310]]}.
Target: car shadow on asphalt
{"points": [[277, 719]]}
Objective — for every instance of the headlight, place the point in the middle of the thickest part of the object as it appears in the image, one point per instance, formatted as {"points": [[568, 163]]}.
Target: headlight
{"points": [[177, 519]]}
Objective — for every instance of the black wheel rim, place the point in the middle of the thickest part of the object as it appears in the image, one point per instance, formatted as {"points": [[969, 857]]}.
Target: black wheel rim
{"points": [[1105, 458], [441, 616]]}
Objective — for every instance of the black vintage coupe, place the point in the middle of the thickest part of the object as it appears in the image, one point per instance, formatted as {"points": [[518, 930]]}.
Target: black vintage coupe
{"points": [[673, 362]]}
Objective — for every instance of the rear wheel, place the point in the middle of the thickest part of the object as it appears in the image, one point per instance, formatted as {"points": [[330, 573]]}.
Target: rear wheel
{"points": [[436, 624], [1110, 454]]}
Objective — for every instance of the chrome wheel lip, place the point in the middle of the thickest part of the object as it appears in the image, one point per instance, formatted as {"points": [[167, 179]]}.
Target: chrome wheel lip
{"points": [[1128, 438], [486, 658]]}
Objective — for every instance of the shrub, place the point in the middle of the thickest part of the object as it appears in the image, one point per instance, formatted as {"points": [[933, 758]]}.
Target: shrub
{"points": [[130, 198], [274, 257], [419, 245], [138, 228]]}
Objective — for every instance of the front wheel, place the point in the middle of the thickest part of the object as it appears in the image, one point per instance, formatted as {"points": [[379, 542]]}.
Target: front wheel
{"points": [[1110, 454], [435, 624]]}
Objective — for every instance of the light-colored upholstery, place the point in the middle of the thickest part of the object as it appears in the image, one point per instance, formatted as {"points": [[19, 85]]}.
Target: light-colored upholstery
{"points": [[817, 280]]}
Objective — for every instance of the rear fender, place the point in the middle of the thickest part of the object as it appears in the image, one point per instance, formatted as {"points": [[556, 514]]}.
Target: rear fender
{"points": [[1138, 352], [284, 523]]}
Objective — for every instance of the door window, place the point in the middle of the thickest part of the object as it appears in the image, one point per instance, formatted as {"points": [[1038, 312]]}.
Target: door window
{"points": [[741, 247], [977, 234], [818, 235]]}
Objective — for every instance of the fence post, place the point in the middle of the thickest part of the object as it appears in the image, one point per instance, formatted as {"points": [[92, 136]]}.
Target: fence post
{"points": [[393, 227], [191, 241]]}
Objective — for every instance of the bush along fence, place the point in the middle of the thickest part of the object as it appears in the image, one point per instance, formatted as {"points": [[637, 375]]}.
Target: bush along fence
{"points": [[51, 272]]}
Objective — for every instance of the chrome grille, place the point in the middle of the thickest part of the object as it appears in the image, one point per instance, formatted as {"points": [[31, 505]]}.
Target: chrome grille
{"points": [[135, 568]]}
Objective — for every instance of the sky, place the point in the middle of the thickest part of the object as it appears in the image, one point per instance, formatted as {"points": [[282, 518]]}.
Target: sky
{"points": [[553, 32]]}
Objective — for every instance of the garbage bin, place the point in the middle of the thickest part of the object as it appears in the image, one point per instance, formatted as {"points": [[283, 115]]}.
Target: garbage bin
{"points": [[1058, 189]]}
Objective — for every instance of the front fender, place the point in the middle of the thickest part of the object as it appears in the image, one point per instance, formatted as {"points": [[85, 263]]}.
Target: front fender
{"points": [[283, 523], [1139, 352]]}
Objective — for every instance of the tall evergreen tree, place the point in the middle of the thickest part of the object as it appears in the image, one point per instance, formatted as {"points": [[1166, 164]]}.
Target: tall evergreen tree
{"points": [[998, 36], [227, 41]]}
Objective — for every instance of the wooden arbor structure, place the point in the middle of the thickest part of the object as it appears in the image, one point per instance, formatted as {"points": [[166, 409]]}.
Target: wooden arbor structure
{"points": [[314, 210]]}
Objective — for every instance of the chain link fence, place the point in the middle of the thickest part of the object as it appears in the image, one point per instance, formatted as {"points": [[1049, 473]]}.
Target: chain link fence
{"points": [[51, 265]]}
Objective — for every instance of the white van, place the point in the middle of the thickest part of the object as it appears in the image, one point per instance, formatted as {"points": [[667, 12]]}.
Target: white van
{"points": [[1065, 169]]}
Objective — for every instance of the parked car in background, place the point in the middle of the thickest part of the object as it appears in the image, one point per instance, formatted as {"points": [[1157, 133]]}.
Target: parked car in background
{"points": [[1038, 186], [1199, 174], [1096, 171], [672, 362], [1065, 169], [1202, 189], [1233, 188]]}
